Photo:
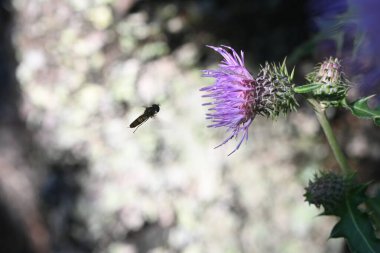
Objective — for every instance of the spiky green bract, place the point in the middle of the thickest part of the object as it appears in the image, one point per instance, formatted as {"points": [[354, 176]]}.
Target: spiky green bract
{"points": [[275, 90], [341, 196], [333, 84]]}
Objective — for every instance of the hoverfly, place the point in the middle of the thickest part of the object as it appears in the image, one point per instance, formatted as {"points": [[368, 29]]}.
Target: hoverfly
{"points": [[149, 112]]}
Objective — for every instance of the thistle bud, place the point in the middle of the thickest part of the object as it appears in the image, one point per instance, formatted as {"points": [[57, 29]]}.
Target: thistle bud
{"points": [[334, 85], [274, 90], [327, 190]]}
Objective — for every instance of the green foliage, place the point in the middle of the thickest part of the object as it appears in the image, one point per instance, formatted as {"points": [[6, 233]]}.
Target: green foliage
{"points": [[341, 196], [354, 225], [361, 109]]}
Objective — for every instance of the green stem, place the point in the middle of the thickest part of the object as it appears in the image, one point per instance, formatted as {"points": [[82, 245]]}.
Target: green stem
{"points": [[339, 156]]}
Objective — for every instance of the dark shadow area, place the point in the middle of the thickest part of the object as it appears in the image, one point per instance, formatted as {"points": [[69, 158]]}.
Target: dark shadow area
{"points": [[10, 90], [59, 195], [268, 30], [21, 226]]}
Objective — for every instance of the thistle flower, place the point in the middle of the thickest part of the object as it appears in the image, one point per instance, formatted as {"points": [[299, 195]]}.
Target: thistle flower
{"points": [[238, 97]]}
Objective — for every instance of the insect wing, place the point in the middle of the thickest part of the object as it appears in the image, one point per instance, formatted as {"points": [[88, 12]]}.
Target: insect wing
{"points": [[137, 122]]}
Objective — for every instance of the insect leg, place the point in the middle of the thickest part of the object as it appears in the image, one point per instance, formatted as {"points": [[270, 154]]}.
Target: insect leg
{"points": [[137, 128]]}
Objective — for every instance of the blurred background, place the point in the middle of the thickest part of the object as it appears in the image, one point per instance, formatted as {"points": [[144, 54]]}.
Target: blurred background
{"points": [[74, 178]]}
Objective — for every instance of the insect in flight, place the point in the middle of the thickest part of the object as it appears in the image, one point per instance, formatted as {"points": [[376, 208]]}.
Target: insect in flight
{"points": [[149, 112]]}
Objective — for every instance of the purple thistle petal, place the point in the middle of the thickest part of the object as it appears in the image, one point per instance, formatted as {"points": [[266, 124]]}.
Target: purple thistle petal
{"points": [[233, 95]]}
